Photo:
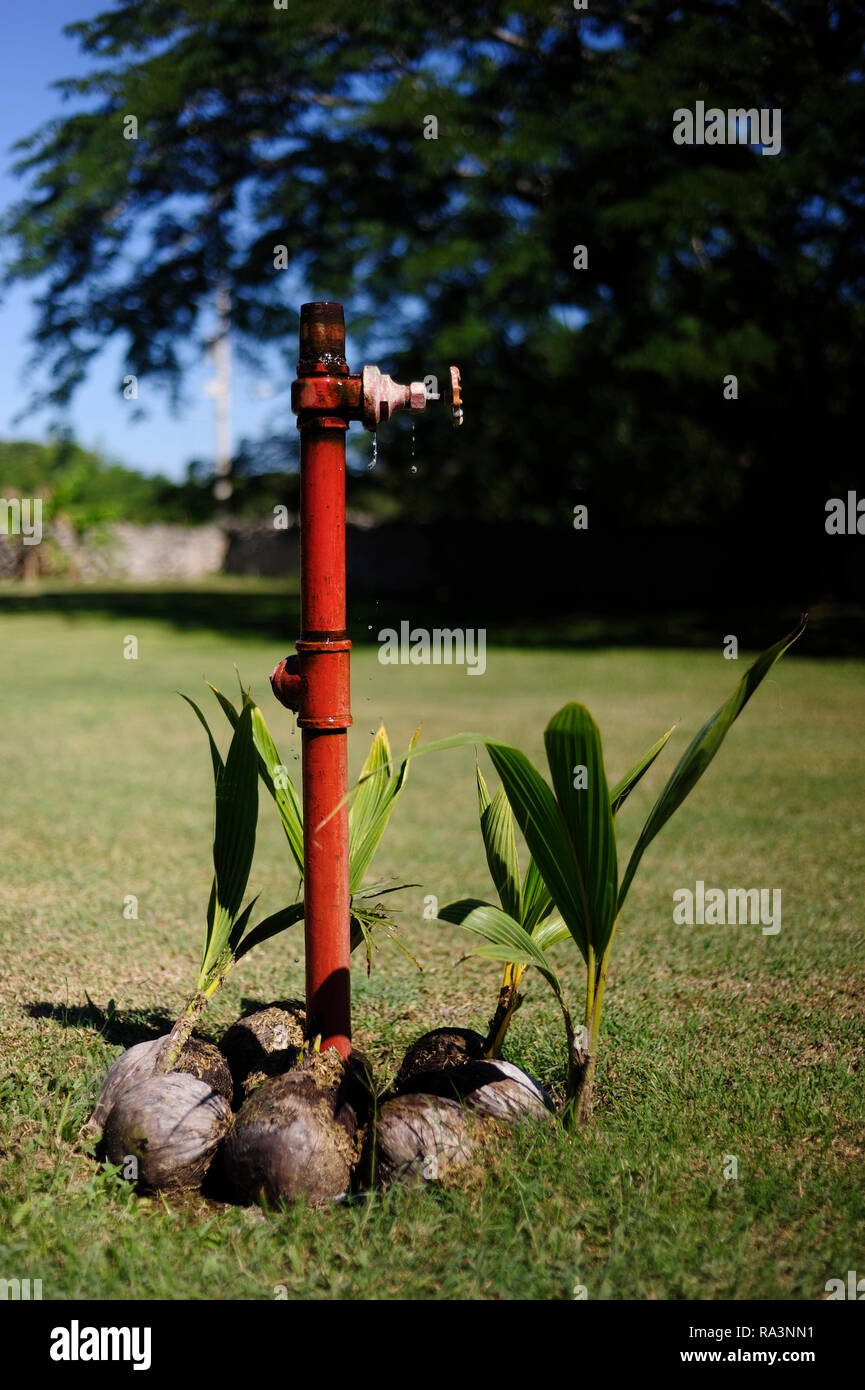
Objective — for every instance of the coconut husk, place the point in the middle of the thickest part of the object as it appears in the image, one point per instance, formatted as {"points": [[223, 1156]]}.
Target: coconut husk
{"points": [[172, 1125], [420, 1138], [264, 1043], [438, 1051], [198, 1058], [296, 1136], [496, 1089], [204, 1061]]}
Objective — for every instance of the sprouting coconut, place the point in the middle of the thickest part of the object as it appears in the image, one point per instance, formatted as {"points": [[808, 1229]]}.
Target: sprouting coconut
{"points": [[423, 1138], [446, 1096], [172, 1125], [297, 1134], [438, 1051], [496, 1089], [262, 1044], [198, 1058]]}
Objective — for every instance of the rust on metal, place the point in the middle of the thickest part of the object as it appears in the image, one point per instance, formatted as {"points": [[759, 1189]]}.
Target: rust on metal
{"points": [[322, 339]]}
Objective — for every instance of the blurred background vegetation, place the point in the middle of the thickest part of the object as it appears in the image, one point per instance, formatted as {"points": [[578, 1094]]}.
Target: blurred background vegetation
{"points": [[305, 127]]}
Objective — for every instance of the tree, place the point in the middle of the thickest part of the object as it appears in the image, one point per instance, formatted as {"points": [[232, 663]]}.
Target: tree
{"points": [[435, 167], [83, 487]]}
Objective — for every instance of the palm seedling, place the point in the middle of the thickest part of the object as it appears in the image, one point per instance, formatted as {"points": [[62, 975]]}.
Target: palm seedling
{"points": [[226, 939], [569, 830], [528, 902], [379, 787]]}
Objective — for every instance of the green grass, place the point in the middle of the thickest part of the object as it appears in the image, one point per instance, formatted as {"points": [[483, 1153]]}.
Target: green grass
{"points": [[716, 1041]]}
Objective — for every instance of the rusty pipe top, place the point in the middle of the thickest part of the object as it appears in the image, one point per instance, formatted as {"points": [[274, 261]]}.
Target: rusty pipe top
{"points": [[322, 340]]}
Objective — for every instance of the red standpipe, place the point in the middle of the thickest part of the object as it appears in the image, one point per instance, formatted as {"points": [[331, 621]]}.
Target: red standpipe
{"points": [[316, 683], [323, 659]]}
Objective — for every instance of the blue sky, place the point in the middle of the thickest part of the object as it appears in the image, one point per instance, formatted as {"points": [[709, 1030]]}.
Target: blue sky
{"points": [[36, 53]]}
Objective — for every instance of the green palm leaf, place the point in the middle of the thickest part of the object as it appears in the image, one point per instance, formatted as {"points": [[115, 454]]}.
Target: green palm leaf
{"points": [[702, 749], [546, 833], [537, 902], [234, 836], [505, 939], [550, 932], [622, 790], [573, 743], [270, 926], [500, 843], [273, 774], [275, 777], [378, 788], [215, 755]]}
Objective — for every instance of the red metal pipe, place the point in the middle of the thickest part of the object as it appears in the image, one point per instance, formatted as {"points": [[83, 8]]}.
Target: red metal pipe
{"points": [[316, 682], [323, 662]]}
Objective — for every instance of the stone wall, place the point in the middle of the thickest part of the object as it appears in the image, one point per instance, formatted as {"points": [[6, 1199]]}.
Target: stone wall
{"points": [[147, 554], [119, 551]]}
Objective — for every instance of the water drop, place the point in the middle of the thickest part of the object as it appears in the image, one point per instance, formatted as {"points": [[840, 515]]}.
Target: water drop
{"points": [[374, 460], [414, 466]]}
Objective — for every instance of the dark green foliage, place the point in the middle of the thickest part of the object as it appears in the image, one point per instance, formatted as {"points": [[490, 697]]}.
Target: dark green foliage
{"points": [[81, 485], [303, 127]]}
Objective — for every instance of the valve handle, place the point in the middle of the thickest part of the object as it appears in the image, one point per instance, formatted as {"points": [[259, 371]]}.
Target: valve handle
{"points": [[453, 397]]}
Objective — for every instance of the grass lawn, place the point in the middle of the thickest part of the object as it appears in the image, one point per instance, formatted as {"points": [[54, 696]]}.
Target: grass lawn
{"points": [[717, 1041]]}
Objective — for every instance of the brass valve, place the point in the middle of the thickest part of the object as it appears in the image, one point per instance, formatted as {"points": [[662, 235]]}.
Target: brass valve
{"points": [[381, 397]]}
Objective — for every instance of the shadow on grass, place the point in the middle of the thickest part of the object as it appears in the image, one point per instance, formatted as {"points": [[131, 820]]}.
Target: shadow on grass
{"points": [[261, 609], [271, 609], [133, 1025], [126, 1029]]}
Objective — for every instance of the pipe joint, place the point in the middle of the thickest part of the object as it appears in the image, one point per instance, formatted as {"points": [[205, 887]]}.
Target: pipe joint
{"points": [[286, 683], [314, 396], [314, 685], [325, 673]]}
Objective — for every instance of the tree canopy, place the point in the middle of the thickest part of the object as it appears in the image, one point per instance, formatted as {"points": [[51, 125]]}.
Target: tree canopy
{"points": [[308, 127]]}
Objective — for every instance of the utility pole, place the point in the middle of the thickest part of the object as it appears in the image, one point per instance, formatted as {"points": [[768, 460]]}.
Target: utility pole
{"points": [[219, 387]]}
